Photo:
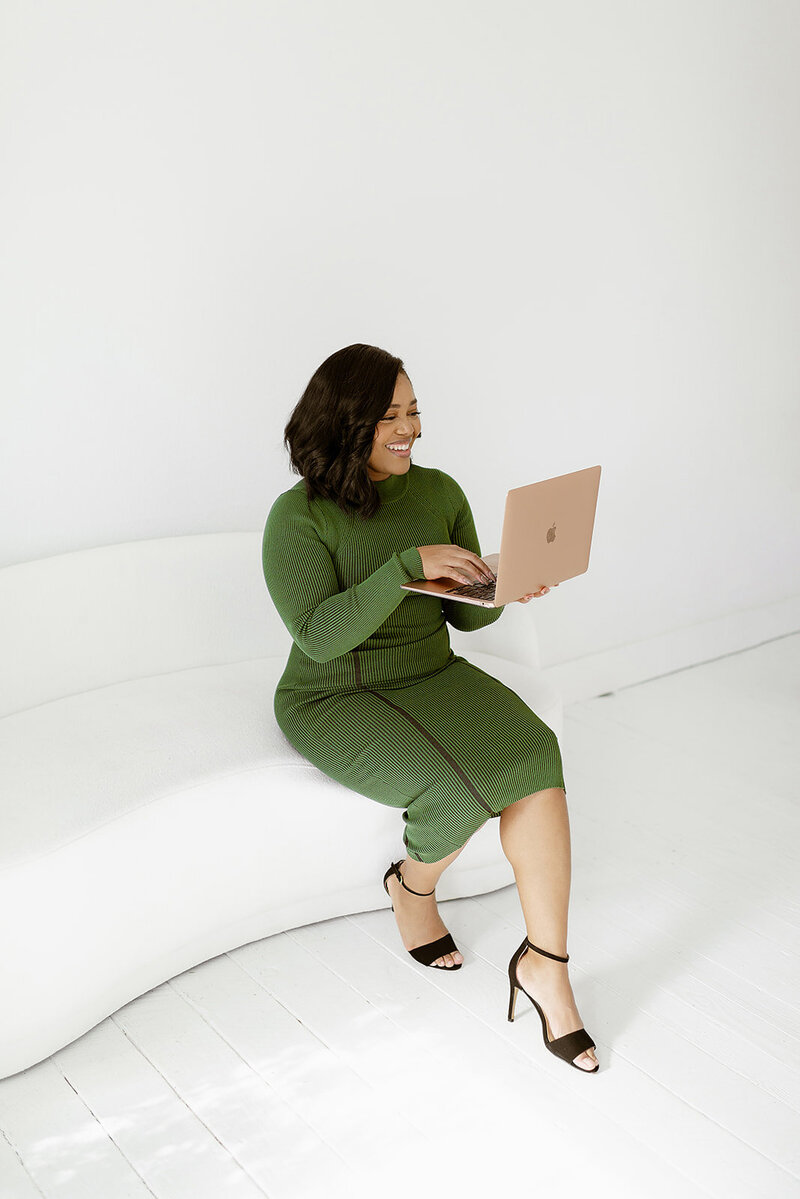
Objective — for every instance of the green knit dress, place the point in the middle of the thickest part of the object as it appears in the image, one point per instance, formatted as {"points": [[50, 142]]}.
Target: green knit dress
{"points": [[372, 693]]}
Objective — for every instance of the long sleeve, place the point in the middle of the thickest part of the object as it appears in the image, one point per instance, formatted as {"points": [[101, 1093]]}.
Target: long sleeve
{"points": [[301, 578], [467, 617]]}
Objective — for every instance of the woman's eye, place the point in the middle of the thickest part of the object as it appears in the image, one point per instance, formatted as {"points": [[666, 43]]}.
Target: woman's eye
{"points": [[392, 418]]}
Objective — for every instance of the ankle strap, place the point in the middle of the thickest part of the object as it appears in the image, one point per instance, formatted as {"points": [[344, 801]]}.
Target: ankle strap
{"points": [[554, 956], [396, 870]]}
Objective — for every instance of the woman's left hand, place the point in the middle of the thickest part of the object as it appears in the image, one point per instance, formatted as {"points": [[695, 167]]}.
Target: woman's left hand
{"points": [[534, 594]]}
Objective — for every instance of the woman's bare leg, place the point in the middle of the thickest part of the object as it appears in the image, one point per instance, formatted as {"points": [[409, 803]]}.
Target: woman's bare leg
{"points": [[418, 918], [534, 834]]}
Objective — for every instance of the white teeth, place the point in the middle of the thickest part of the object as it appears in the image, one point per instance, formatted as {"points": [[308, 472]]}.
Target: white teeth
{"points": [[399, 447]]}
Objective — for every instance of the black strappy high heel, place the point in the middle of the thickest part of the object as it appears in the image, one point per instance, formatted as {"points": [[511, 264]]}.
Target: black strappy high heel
{"points": [[426, 955], [567, 1047]]}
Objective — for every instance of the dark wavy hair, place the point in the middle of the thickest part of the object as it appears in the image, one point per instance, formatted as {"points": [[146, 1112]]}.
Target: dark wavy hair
{"points": [[330, 433]]}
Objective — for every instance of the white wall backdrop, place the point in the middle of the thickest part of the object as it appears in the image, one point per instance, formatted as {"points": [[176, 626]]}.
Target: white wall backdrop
{"points": [[576, 222]]}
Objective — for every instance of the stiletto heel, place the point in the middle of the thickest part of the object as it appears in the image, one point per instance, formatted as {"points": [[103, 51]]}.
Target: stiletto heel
{"points": [[512, 1002], [567, 1047], [426, 955]]}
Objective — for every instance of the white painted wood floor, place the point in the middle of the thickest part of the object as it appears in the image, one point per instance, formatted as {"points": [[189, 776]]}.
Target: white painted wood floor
{"points": [[325, 1062]]}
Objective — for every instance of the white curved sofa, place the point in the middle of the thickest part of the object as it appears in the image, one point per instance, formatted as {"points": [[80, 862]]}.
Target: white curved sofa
{"points": [[153, 814]]}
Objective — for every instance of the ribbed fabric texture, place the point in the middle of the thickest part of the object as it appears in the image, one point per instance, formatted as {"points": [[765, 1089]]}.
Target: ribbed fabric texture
{"points": [[372, 693], [335, 580]]}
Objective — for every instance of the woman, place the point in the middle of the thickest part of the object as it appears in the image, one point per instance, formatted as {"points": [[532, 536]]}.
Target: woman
{"points": [[374, 696]]}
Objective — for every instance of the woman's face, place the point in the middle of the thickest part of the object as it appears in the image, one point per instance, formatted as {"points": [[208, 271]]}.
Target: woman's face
{"points": [[400, 426]]}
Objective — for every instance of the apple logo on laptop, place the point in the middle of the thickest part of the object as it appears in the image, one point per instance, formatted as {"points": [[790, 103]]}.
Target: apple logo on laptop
{"points": [[551, 533]]}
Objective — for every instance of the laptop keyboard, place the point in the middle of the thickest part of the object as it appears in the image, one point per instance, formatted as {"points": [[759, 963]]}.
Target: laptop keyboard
{"points": [[478, 590]]}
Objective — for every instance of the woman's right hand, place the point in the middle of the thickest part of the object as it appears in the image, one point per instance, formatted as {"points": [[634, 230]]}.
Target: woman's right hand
{"points": [[453, 562]]}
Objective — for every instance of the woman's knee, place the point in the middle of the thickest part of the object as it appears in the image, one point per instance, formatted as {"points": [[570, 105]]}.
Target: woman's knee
{"points": [[532, 803]]}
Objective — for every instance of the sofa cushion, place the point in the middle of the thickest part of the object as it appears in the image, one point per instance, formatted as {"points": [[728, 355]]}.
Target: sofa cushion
{"points": [[72, 765], [96, 617]]}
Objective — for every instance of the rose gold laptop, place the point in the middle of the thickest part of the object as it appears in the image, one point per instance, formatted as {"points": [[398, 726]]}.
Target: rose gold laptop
{"points": [[546, 538]]}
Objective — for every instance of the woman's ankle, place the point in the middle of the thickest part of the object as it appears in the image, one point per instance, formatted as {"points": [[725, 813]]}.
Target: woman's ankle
{"points": [[419, 877], [424, 876]]}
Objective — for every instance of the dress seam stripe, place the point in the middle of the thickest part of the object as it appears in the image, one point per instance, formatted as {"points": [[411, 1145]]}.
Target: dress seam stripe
{"points": [[441, 750]]}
